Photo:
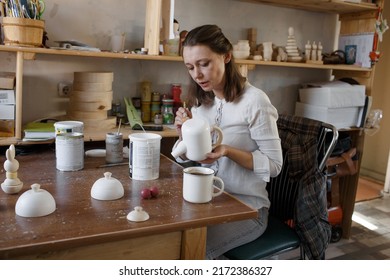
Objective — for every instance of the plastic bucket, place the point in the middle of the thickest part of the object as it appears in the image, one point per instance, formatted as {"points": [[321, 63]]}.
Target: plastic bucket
{"points": [[144, 156], [23, 31]]}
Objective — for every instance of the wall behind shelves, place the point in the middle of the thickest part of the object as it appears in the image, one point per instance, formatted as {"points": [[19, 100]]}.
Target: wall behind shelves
{"points": [[376, 147], [93, 22]]}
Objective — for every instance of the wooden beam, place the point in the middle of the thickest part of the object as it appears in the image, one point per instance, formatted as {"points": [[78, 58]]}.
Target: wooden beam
{"points": [[152, 26]]}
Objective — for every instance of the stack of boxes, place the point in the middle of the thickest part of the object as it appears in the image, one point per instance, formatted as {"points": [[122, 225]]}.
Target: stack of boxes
{"points": [[7, 104], [91, 99], [338, 103]]}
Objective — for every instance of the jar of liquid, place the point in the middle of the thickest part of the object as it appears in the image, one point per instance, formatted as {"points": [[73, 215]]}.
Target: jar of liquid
{"points": [[114, 147], [167, 111], [176, 92]]}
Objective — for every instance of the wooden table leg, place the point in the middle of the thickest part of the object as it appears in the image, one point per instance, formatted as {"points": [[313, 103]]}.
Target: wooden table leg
{"points": [[193, 246]]}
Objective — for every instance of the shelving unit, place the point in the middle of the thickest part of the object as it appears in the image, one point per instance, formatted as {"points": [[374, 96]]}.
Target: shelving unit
{"points": [[24, 53], [323, 6], [359, 17]]}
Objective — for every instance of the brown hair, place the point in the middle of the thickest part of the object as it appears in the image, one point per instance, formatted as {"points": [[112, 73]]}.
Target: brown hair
{"points": [[212, 37]]}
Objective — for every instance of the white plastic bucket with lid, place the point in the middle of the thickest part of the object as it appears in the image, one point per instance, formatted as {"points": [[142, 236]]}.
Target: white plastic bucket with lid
{"points": [[144, 156], [69, 127]]}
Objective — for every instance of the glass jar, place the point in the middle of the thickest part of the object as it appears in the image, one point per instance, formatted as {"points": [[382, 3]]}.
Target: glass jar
{"points": [[167, 111], [176, 92]]}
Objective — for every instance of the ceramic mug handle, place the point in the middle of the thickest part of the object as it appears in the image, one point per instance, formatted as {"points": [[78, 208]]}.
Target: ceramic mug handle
{"points": [[220, 136], [220, 188]]}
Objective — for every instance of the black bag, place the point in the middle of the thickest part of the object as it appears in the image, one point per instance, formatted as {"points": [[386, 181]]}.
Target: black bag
{"points": [[336, 57], [343, 144]]}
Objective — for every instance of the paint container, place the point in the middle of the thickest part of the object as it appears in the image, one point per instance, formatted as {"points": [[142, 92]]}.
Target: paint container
{"points": [[69, 127], [114, 147], [144, 156], [70, 151]]}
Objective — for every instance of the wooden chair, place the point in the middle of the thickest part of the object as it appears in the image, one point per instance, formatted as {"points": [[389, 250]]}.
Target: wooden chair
{"points": [[280, 235]]}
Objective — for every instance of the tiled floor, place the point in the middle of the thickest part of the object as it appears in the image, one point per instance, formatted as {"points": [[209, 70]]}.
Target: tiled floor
{"points": [[370, 241], [367, 242]]}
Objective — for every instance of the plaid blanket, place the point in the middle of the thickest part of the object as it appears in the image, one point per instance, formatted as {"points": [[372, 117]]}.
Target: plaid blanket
{"points": [[311, 217]]}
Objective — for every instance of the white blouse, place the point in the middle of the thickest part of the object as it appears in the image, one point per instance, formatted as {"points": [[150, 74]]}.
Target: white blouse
{"points": [[248, 124]]}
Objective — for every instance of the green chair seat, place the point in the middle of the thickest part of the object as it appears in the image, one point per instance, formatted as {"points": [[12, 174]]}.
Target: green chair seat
{"points": [[278, 237]]}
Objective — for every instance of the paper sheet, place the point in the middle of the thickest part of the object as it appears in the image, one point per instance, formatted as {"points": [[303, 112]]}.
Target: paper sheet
{"points": [[364, 43]]}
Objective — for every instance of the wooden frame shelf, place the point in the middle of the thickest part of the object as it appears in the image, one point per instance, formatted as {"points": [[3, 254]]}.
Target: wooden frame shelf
{"points": [[26, 53], [29, 53], [323, 6]]}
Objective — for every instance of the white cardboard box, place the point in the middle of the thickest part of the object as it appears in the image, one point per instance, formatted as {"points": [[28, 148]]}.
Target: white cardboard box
{"points": [[7, 96], [334, 97], [7, 112], [339, 117]]}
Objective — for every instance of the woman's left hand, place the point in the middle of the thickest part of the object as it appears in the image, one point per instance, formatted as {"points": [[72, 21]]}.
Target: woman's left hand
{"points": [[216, 154]]}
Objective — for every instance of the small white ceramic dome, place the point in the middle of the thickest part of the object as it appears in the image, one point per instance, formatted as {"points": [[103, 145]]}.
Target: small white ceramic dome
{"points": [[107, 188], [35, 203], [138, 215]]}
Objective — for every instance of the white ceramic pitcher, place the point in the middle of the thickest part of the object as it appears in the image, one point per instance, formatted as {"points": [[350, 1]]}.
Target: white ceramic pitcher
{"points": [[196, 142]]}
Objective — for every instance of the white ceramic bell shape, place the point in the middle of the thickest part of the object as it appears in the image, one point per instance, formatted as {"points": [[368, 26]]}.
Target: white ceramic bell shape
{"points": [[36, 202], [12, 184], [138, 215], [11, 164], [107, 188], [196, 139]]}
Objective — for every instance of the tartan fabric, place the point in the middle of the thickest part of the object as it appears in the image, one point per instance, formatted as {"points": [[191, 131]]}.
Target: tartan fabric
{"points": [[299, 140]]}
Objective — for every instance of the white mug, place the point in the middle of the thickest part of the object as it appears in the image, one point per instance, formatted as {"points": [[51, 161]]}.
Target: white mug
{"points": [[198, 184], [197, 142]]}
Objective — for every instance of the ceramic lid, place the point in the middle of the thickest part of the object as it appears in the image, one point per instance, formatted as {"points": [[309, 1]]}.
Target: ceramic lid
{"points": [[107, 188], [35, 203], [138, 215]]}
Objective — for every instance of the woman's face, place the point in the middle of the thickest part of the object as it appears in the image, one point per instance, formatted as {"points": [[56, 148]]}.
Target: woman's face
{"points": [[206, 67]]}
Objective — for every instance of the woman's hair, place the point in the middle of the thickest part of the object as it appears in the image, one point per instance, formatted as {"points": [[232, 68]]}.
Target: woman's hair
{"points": [[211, 36]]}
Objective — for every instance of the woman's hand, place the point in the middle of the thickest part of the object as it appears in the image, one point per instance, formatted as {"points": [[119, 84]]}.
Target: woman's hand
{"points": [[182, 114], [243, 158], [216, 154]]}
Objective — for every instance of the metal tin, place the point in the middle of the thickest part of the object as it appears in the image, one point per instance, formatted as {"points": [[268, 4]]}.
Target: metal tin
{"points": [[70, 151], [114, 147]]}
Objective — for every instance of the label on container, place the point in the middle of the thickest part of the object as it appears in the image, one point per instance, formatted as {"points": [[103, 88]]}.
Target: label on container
{"points": [[70, 151]]}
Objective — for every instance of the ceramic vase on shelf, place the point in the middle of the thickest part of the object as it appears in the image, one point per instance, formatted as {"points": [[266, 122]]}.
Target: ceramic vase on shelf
{"points": [[267, 51]]}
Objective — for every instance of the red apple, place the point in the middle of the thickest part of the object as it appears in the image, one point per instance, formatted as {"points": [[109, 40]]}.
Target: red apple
{"points": [[154, 191], [146, 193]]}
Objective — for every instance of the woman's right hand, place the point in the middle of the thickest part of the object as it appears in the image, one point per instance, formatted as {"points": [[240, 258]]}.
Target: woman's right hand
{"points": [[182, 114]]}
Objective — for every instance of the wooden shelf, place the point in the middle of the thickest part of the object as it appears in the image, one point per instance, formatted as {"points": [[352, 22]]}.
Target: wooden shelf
{"points": [[323, 6], [30, 52], [90, 136], [103, 54]]}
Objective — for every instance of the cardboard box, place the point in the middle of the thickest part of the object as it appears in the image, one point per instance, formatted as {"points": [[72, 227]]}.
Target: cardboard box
{"points": [[7, 112], [339, 117], [334, 97], [7, 128], [7, 96], [7, 80], [334, 94]]}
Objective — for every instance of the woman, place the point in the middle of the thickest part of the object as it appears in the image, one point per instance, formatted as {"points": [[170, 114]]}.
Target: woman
{"points": [[250, 152]]}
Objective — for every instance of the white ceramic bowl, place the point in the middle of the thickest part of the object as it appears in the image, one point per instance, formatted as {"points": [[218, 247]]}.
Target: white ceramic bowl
{"points": [[35, 203], [107, 188], [238, 54]]}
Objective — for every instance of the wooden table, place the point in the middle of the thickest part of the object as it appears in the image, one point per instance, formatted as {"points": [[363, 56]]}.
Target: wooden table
{"points": [[85, 228]]}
